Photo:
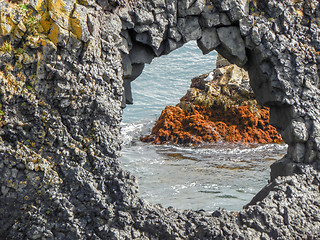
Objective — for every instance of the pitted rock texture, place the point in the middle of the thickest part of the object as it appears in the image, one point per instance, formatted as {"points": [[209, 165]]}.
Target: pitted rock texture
{"points": [[63, 66]]}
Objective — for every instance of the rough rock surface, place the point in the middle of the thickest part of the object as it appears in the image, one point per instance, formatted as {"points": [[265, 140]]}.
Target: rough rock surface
{"points": [[221, 109], [63, 66]]}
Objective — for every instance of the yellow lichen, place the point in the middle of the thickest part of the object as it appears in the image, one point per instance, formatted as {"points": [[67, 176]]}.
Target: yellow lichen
{"points": [[46, 22], [75, 25], [6, 25], [57, 10], [54, 34], [6, 47]]}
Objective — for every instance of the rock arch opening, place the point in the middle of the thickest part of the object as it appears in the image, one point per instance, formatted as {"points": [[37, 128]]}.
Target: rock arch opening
{"points": [[61, 73], [188, 177], [253, 39], [167, 79]]}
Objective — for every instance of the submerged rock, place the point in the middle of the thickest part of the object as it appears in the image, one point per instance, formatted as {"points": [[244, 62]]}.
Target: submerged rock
{"points": [[223, 108]]}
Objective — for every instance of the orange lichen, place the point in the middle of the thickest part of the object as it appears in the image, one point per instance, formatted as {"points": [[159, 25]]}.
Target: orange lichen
{"points": [[223, 109], [200, 124]]}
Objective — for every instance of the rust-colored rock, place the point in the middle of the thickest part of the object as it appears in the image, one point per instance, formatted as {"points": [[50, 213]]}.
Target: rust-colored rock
{"points": [[223, 109]]}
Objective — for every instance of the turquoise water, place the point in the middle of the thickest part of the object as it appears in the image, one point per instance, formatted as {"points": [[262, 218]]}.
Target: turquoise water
{"points": [[166, 80], [220, 175]]}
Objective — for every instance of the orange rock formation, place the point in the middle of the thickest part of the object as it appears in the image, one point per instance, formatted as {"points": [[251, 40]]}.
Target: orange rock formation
{"points": [[222, 109]]}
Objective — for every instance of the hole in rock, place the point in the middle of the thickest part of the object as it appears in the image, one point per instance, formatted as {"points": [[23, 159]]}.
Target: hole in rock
{"points": [[221, 175]]}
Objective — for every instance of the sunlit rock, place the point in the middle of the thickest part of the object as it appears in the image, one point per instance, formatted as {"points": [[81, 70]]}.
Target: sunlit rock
{"points": [[222, 109]]}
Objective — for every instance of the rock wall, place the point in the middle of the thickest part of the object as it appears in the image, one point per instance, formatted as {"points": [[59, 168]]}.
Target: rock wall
{"points": [[63, 65]]}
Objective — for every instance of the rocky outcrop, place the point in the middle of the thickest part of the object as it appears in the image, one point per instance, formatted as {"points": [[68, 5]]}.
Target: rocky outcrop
{"points": [[63, 66], [221, 109]]}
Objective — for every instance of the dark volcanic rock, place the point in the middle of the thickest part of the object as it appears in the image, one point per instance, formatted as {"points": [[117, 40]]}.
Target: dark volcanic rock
{"points": [[63, 65]]}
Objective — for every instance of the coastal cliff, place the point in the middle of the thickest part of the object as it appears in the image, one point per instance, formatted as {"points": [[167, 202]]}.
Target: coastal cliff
{"points": [[65, 73], [221, 108]]}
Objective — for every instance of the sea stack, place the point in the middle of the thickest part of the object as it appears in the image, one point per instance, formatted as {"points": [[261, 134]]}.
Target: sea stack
{"points": [[222, 108]]}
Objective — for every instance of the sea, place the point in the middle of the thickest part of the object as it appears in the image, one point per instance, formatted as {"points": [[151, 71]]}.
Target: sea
{"points": [[208, 177]]}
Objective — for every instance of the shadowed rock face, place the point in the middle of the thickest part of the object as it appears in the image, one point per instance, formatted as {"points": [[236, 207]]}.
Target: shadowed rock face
{"points": [[63, 67]]}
